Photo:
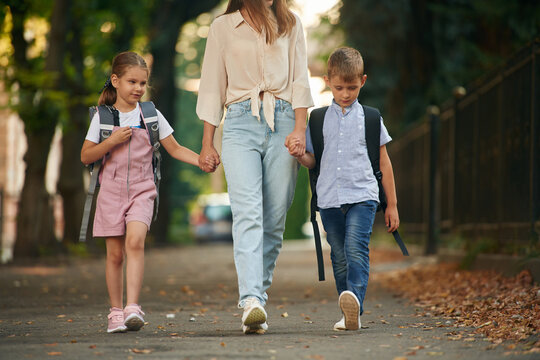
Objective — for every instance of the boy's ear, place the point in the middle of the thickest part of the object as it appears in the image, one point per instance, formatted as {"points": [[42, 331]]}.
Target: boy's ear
{"points": [[326, 80], [363, 80]]}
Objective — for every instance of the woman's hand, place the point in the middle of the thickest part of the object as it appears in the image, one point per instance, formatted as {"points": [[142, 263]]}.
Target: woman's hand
{"points": [[209, 159], [296, 143]]}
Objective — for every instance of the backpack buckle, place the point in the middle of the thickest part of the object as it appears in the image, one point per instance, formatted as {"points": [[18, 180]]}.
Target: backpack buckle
{"points": [[378, 175]]}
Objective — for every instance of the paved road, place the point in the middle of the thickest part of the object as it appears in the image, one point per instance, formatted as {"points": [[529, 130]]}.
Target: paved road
{"points": [[189, 296]]}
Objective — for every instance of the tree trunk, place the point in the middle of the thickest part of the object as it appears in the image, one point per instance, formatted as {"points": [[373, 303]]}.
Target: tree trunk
{"points": [[169, 16], [34, 219], [70, 183], [39, 113]]}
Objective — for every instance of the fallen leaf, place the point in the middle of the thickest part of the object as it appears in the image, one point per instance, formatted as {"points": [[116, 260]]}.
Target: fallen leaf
{"points": [[141, 351], [54, 353]]}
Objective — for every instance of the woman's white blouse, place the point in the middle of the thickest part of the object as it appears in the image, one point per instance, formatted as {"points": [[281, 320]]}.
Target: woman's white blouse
{"points": [[239, 65]]}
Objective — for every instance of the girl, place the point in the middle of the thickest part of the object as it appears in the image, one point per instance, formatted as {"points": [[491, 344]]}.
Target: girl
{"points": [[255, 64], [125, 202]]}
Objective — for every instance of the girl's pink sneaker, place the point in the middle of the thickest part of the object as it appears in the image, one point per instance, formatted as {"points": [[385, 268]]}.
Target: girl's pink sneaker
{"points": [[133, 317], [116, 321]]}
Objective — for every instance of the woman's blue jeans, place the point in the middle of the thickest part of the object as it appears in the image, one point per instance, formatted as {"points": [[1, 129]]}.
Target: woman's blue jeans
{"points": [[261, 178], [348, 233]]}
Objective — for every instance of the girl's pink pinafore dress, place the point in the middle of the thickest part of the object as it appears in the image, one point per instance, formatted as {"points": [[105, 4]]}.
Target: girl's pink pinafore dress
{"points": [[127, 189]]}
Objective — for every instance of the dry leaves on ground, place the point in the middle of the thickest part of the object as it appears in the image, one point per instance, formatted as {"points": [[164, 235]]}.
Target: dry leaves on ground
{"points": [[499, 307]]}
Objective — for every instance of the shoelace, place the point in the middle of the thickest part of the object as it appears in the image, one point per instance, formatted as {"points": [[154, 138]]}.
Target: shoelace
{"points": [[248, 302], [116, 317]]}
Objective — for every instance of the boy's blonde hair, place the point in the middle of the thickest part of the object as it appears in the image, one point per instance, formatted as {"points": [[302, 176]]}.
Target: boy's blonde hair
{"points": [[346, 63]]}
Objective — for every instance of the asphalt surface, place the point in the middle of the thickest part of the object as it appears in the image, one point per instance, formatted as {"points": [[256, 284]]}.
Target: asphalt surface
{"points": [[189, 297]]}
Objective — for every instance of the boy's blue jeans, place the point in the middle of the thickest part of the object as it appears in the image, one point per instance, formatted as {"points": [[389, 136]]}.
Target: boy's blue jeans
{"points": [[348, 233], [261, 178]]}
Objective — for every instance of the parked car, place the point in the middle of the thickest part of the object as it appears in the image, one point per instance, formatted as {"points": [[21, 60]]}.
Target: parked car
{"points": [[211, 219]]}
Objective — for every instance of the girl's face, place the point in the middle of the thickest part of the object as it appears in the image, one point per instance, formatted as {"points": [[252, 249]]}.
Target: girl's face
{"points": [[131, 86], [268, 2]]}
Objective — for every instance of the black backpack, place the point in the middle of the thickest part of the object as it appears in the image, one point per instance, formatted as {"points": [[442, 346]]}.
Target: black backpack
{"points": [[373, 134], [108, 119]]}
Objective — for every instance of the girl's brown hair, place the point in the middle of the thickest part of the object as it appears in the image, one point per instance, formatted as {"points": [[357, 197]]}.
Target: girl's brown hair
{"points": [[120, 64], [265, 20]]}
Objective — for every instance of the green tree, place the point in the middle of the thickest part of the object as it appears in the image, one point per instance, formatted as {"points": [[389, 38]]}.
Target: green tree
{"points": [[55, 84], [417, 51], [166, 21], [37, 79]]}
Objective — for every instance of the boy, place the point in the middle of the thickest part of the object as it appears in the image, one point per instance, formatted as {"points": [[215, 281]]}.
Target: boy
{"points": [[347, 190]]}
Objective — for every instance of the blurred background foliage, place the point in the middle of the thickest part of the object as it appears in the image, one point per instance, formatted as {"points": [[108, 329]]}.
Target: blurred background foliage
{"points": [[56, 55]]}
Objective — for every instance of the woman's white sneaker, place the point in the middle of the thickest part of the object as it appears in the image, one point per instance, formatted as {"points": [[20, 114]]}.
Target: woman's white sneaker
{"points": [[254, 317]]}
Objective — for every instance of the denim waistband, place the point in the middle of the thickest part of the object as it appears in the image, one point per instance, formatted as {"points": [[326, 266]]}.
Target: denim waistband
{"points": [[246, 104]]}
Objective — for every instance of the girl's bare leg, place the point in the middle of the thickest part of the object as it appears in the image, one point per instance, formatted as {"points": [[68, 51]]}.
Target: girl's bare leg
{"points": [[135, 237], [114, 270]]}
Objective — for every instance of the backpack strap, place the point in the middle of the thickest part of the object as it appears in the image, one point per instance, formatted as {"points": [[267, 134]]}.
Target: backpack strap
{"points": [[108, 119], [150, 118], [316, 122], [373, 142]]}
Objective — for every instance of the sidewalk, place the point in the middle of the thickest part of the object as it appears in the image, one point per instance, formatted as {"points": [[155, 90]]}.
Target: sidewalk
{"points": [[189, 296]]}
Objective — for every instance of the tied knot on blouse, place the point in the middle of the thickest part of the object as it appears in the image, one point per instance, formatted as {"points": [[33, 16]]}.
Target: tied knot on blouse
{"points": [[239, 65]]}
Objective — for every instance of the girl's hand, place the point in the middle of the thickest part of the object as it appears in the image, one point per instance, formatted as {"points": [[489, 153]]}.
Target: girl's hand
{"points": [[208, 159], [120, 135], [210, 164]]}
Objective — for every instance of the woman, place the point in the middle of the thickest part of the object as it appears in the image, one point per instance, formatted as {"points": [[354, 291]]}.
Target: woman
{"points": [[255, 65]]}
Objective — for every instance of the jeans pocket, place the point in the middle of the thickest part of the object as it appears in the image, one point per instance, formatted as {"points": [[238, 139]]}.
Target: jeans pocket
{"points": [[235, 110]]}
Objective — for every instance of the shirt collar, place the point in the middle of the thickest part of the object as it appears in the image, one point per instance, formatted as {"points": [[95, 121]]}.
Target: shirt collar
{"points": [[237, 18], [348, 109]]}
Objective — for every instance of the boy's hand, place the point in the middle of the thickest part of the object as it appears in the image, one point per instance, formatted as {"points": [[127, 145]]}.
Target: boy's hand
{"points": [[120, 135], [293, 146], [391, 218], [296, 143]]}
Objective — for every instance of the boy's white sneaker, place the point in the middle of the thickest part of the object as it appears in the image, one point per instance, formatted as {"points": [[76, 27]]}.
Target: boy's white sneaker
{"points": [[350, 307], [254, 317], [340, 325]]}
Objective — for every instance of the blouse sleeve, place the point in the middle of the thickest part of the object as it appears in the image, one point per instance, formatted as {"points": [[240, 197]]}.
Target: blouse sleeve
{"points": [[301, 93], [213, 85]]}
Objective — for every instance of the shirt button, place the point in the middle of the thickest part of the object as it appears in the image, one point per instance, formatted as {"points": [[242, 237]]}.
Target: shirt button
{"points": [[339, 151], [339, 168], [340, 134]]}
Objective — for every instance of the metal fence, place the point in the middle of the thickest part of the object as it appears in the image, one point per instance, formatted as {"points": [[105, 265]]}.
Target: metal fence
{"points": [[474, 169]]}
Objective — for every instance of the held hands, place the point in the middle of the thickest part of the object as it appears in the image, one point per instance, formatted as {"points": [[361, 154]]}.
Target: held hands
{"points": [[391, 218], [209, 159], [296, 143]]}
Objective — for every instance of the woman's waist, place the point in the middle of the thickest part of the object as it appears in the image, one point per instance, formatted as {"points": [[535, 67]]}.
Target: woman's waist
{"points": [[245, 102]]}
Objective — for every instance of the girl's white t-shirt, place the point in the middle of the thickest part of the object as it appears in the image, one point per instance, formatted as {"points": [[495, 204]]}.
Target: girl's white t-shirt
{"points": [[132, 118]]}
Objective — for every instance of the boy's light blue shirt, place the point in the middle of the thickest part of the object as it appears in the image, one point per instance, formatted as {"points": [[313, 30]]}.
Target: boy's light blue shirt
{"points": [[346, 175]]}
